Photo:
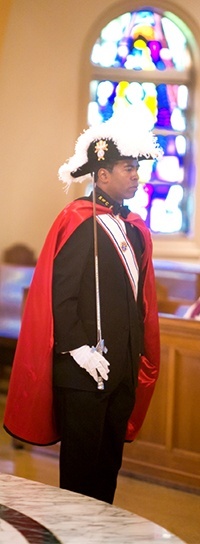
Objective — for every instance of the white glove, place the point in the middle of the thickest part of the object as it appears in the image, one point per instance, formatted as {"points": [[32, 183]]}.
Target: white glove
{"points": [[92, 361]]}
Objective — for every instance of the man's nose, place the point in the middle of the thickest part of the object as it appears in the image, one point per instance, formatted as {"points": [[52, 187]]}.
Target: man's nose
{"points": [[134, 173]]}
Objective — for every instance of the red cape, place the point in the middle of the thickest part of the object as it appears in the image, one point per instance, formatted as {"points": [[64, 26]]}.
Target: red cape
{"points": [[29, 408]]}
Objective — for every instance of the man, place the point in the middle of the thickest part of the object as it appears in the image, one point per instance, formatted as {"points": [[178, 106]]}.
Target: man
{"points": [[92, 311]]}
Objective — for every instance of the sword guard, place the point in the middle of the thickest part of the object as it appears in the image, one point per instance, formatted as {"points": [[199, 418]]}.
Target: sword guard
{"points": [[100, 347]]}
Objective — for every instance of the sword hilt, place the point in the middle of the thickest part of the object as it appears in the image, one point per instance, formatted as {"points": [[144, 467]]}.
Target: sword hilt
{"points": [[101, 348]]}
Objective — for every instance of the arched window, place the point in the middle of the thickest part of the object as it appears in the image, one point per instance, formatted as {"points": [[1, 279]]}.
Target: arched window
{"points": [[144, 57]]}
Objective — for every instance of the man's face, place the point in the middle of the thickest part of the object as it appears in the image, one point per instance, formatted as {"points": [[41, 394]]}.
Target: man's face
{"points": [[122, 182]]}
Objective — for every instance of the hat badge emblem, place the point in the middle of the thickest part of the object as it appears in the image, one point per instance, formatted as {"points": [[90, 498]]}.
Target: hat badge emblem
{"points": [[100, 147]]}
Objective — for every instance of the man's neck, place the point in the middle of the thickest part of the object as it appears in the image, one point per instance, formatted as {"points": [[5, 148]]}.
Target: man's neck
{"points": [[104, 199]]}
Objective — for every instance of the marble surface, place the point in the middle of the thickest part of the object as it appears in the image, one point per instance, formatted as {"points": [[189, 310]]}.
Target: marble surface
{"points": [[35, 513]]}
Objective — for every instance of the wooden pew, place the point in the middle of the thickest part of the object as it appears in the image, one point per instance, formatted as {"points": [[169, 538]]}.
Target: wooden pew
{"points": [[14, 280], [178, 285], [168, 304], [167, 449]]}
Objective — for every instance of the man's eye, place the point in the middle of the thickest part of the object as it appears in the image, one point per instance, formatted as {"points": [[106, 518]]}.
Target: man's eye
{"points": [[132, 168]]}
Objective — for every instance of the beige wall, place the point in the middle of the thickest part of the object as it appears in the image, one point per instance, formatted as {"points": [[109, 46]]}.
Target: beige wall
{"points": [[43, 106]]}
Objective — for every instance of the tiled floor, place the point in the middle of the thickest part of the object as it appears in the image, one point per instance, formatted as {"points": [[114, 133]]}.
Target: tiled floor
{"points": [[176, 511]]}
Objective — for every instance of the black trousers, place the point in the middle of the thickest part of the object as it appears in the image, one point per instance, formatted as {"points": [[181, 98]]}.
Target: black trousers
{"points": [[92, 426]]}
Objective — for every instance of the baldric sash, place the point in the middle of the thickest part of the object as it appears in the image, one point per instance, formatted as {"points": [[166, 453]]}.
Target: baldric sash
{"points": [[116, 232]]}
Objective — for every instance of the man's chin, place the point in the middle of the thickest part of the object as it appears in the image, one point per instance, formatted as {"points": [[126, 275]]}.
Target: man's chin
{"points": [[130, 194]]}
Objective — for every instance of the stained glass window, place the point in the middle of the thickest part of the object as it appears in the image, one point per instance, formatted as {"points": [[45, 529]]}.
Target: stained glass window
{"points": [[143, 57]]}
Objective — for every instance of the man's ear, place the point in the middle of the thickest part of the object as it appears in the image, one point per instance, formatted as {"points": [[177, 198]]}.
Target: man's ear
{"points": [[103, 176]]}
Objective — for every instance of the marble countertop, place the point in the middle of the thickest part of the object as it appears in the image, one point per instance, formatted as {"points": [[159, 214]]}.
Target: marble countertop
{"points": [[35, 513]]}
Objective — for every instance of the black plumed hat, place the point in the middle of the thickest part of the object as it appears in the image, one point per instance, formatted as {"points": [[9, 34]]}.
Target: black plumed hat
{"points": [[124, 135]]}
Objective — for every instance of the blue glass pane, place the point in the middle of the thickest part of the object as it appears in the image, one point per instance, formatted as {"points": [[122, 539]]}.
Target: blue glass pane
{"points": [[167, 103], [171, 167], [143, 40], [160, 206], [164, 207], [164, 198]]}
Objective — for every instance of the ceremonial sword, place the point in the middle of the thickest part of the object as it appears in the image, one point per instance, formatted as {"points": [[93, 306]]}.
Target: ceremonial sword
{"points": [[100, 347]]}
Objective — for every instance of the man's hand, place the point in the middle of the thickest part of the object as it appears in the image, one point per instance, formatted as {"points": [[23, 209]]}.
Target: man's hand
{"points": [[93, 362]]}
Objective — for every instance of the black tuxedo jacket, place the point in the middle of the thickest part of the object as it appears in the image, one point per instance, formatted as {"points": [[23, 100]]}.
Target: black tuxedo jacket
{"points": [[74, 307]]}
